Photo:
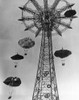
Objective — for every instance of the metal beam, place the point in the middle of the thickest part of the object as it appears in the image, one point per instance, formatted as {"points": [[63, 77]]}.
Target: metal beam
{"points": [[64, 24], [63, 17], [37, 32], [45, 4], [54, 5], [26, 18], [35, 3], [57, 30], [66, 7]]}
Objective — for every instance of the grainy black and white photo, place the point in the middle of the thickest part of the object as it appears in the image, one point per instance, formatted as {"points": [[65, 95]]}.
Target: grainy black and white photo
{"points": [[39, 50]]}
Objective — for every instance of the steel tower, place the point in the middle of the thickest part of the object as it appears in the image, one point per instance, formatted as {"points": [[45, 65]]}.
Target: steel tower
{"points": [[45, 84], [46, 19]]}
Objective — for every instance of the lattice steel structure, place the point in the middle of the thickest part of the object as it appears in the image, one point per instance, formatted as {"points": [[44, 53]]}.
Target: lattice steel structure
{"points": [[46, 19]]}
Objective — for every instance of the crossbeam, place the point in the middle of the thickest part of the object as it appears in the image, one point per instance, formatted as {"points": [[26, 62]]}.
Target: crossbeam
{"points": [[66, 7], [30, 10], [57, 30], [64, 24], [37, 32], [54, 5], [35, 3]]}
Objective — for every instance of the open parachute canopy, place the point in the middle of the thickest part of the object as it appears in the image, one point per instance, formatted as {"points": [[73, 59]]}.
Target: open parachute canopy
{"points": [[12, 81], [62, 53], [70, 13], [26, 43], [17, 57]]}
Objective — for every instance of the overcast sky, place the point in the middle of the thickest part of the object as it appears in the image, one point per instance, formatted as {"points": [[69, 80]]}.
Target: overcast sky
{"points": [[11, 31]]}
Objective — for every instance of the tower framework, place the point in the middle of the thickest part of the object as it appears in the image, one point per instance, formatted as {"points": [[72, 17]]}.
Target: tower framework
{"points": [[45, 84], [46, 19]]}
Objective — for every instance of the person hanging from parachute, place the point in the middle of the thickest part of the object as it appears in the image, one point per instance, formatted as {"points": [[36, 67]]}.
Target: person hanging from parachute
{"points": [[62, 53], [26, 43], [16, 58], [12, 82]]}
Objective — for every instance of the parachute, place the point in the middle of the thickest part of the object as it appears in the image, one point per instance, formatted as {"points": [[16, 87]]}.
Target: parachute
{"points": [[62, 53], [26, 43], [16, 58], [12, 82], [70, 13]]}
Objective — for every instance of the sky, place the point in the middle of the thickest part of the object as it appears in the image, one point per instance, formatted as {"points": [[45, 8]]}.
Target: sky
{"points": [[11, 30]]}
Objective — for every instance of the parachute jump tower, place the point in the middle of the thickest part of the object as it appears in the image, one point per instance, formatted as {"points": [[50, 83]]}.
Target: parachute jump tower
{"points": [[47, 20]]}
